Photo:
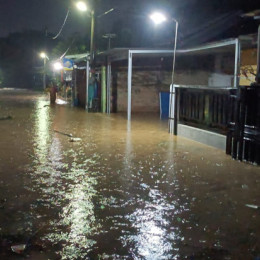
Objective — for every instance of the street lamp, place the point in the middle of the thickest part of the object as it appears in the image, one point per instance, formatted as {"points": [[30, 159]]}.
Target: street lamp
{"points": [[44, 56], [159, 18], [57, 66], [81, 5]]}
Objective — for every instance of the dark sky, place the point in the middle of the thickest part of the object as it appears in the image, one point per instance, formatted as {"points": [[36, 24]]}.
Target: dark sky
{"points": [[18, 15]]}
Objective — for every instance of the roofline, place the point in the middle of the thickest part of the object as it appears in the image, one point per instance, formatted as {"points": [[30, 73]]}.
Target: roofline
{"points": [[118, 54]]}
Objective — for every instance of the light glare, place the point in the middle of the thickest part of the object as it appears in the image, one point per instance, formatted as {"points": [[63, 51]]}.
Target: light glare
{"points": [[158, 18], [81, 6], [57, 66], [43, 55]]}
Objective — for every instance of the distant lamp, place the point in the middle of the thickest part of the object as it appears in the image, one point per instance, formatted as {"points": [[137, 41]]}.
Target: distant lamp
{"points": [[43, 55], [57, 66], [158, 18], [81, 6]]}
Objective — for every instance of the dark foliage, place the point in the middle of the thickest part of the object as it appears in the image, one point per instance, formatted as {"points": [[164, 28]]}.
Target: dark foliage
{"points": [[19, 56]]}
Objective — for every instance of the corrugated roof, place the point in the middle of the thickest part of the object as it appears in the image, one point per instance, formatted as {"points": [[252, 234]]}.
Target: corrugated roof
{"points": [[119, 54], [224, 46]]}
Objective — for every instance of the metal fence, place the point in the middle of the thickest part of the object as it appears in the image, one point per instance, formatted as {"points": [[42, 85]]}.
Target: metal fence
{"points": [[231, 112], [204, 108], [243, 136]]}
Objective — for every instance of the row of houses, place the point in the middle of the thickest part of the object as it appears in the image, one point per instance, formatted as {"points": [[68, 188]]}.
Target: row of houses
{"points": [[207, 76], [210, 65]]}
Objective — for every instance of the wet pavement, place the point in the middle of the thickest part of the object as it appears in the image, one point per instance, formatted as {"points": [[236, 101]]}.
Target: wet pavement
{"points": [[115, 194]]}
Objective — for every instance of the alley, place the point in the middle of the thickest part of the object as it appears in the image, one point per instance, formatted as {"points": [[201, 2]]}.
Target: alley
{"points": [[114, 194]]}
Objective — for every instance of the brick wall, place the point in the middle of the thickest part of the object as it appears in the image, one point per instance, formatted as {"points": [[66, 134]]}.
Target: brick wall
{"points": [[146, 86]]}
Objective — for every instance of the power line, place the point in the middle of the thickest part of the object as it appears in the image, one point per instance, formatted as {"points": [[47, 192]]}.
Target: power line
{"points": [[67, 49], [65, 20]]}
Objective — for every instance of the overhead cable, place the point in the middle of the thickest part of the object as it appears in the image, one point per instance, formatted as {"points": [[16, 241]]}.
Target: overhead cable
{"points": [[62, 56], [65, 20]]}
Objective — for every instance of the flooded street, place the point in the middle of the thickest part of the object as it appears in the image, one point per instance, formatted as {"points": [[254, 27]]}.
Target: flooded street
{"points": [[115, 194]]}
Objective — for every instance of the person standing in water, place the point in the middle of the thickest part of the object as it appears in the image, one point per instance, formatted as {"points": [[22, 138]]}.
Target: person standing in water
{"points": [[53, 93]]}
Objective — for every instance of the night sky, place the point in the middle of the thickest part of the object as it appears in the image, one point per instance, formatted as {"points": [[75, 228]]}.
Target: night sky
{"points": [[194, 15]]}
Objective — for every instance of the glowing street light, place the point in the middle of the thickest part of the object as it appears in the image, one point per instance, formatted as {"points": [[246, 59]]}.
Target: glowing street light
{"points": [[158, 18], [43, 55], [57, 66], [81, 6]]}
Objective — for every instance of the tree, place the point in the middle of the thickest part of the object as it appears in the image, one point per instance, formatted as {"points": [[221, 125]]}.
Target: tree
{"points": [[19, 55]]}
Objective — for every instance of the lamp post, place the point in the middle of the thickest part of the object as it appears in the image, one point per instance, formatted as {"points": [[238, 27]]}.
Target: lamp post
{"points": [[44, 57], [159, 18], [89, 63], [81, 5]]}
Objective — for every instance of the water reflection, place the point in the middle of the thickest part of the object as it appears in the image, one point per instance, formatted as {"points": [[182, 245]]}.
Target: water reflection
{"points": [[42, 133], [68, 191], [75, 223], [152, 239], [141, 194], [79, 219]]}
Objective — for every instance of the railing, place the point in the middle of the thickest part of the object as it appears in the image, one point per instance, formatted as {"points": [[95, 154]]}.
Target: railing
{"points": [[204, 107], [233, 112], [243, 137]]}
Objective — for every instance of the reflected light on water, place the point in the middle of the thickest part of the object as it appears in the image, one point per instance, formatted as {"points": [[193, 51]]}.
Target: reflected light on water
{"points": [[77, 222], [61, 101], [141, 195], [42, 124], [152, 238], [55, 153], [78, 215]]}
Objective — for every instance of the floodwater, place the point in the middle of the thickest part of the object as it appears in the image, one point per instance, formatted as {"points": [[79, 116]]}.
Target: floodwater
{"points": [[117, 194]]}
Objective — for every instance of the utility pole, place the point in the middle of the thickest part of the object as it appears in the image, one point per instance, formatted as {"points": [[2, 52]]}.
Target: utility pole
{"points": [[92, 37], [90, 65], [109, 36]]}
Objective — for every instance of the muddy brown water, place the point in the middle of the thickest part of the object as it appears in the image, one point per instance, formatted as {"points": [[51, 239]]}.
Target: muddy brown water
{"points": [[117, 194]]}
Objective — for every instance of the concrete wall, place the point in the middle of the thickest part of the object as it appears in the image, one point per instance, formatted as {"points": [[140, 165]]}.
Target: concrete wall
{"points": [[146, 86], [203, 136], [219, 79]]}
